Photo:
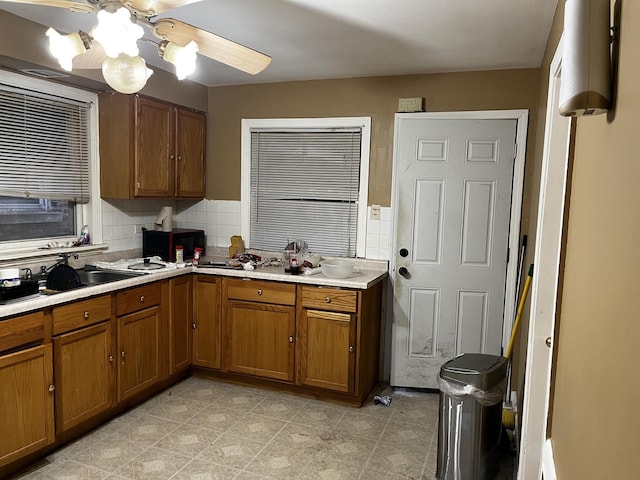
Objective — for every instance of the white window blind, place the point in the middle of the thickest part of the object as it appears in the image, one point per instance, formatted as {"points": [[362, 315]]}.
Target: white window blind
{"points": [[305, 185], [44, 146]]}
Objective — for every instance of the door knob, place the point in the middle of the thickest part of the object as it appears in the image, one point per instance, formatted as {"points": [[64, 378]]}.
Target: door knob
{"points": [[547, 342], [404, 272]]}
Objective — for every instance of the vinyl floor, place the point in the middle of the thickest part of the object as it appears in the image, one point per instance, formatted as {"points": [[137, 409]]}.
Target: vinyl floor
{"points": [[201, 429]]}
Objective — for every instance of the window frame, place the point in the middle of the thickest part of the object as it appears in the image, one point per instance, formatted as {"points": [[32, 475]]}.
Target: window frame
{"points": [[87, 214], [301, 123]]}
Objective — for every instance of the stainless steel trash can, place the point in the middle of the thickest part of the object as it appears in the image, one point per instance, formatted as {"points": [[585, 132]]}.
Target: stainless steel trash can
{"points": [[472, 387]]}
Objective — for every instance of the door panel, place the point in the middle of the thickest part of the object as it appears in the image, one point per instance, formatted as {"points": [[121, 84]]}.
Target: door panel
{"points": [[453, 181], [139, 345], [84, 374]]}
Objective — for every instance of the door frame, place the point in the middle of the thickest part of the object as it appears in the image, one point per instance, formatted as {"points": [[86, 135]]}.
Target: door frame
{"points": [[522, 121], [544, 286]]}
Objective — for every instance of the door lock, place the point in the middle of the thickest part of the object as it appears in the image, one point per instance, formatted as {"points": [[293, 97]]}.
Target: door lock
{"points": [[404, 252]]}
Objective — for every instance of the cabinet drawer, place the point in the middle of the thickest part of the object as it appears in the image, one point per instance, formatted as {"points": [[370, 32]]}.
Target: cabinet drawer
{"points": [[81, 314], [138, 298], [333, 299], [21, 330], [259, 291]]}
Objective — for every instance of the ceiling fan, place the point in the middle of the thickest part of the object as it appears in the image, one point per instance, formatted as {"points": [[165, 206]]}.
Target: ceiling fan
{"points": [[112, 43]]}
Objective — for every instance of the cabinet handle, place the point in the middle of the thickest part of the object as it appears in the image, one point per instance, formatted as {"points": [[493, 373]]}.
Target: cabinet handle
{"points": [[122, 354], [194, 326], [171, 157], [290, 339], [141, 298], [52, 388], [350, 349], [111, 358], [86, 314], [327, 299], [179, 157], [259, 292]]}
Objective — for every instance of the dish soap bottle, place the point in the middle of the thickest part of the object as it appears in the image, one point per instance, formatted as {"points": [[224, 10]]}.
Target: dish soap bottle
{"points": [[86, 237]]}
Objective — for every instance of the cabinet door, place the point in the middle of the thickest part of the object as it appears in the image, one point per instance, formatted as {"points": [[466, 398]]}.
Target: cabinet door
{"points": [[154, 149], [260, 339], [26, 402], [190, 154], [326, 349], [206, 321], [85, 374], [139, 351], [180, 323]]}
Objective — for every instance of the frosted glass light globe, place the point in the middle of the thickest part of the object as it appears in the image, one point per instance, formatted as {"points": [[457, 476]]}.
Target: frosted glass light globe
{"points": [[65, 47], [126, 74], [117, 33]]}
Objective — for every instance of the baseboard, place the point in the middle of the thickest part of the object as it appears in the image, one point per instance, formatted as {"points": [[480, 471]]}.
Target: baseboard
{"points": [[548, 465]]}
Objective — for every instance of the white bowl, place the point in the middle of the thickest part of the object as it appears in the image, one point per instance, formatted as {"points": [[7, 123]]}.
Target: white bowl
{"points": [[336, 268]]}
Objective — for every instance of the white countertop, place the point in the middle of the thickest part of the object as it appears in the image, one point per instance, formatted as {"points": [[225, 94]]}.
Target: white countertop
{"points": [[364, 276]]}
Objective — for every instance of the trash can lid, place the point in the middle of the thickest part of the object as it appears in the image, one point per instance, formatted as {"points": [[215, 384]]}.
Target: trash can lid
{"points": [[480, 370]]}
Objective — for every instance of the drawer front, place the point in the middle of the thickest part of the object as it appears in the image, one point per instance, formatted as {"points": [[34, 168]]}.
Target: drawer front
{"points": [[81, 314], [333, 299], [139, 298], [259, 291], [22, 330]]}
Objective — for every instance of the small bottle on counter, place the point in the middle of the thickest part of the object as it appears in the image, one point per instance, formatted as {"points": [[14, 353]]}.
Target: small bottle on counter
{"points": [[179, 254], [86, 236], [197, 253]]}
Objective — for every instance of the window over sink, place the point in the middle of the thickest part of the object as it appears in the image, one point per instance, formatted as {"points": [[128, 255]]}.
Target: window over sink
{"points": [[48, 162], [306, 179]]}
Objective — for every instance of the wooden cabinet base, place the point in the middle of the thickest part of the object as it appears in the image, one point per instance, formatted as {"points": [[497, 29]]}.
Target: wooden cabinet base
{"points": [[349, 399]]}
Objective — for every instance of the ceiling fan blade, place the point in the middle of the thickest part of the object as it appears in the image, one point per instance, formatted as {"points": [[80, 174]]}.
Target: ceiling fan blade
{"points": [[149, 8], [73, 6], [211, 45], [92, 59]]}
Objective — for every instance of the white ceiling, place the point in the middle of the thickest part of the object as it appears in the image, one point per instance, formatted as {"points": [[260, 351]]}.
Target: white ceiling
{"points": [[318, 39]]}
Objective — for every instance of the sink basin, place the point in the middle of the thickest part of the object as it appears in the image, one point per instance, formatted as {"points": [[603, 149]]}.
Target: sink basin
{"points": [[96, 277]]}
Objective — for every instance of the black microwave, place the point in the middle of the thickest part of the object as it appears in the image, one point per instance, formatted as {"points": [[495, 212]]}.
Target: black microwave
{"points": [[163, 244]]}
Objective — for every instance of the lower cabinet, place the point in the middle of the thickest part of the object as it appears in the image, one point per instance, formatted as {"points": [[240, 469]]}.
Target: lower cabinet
{"points": [[84, 364], [326, 350], [139, 351], [259, 321], [85, 374], [26, 402], [207, 321], [139, 338], [180, 323], [339, 339]]}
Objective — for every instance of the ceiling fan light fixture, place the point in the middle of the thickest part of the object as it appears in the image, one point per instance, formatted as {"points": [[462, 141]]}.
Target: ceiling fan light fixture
{"points": [[126, 74], [117, 33], [183, 58], [66, 47]]}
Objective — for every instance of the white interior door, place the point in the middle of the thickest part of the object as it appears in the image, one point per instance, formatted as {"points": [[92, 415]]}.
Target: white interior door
{"points": [[452, 204], [536, 460]]}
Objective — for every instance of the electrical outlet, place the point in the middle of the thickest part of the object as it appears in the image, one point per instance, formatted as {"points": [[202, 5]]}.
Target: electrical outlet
{"points": [[138, 228], [375, 212]]}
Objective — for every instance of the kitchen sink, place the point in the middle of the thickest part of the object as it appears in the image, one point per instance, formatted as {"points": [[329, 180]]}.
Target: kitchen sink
{"points": [[96, 277]]}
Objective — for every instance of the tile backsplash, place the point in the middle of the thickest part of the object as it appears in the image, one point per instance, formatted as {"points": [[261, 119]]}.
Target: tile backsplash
{"points": [[220, 219]]}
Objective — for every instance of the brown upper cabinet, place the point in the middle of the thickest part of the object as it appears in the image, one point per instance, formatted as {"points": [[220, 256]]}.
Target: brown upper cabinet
{"points": [[150, 148]]}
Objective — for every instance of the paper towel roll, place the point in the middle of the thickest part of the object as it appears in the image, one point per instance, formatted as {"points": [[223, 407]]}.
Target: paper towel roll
{"points": [[164, 220], [585, 85]]}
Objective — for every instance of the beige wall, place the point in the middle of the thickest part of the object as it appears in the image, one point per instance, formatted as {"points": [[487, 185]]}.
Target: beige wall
{"points": [[597, 386], [372, 96]]}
